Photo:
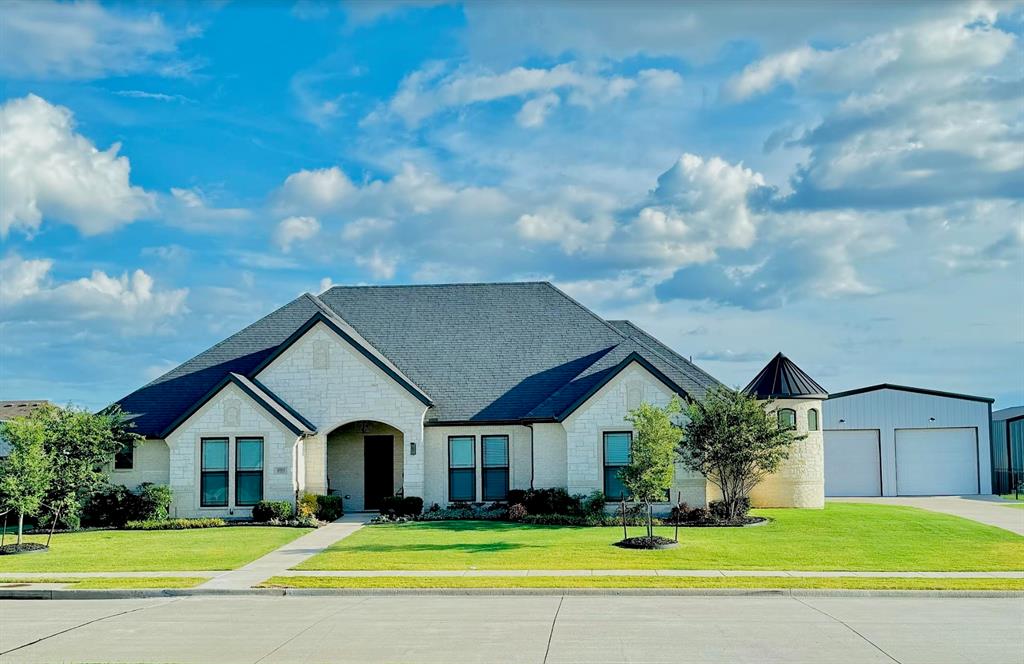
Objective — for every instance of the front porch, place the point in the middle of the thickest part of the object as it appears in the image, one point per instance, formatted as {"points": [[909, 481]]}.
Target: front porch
{"points": [[365, 463]]}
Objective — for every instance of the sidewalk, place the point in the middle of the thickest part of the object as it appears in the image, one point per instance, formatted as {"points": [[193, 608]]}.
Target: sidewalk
{"points": [[281, 560]]}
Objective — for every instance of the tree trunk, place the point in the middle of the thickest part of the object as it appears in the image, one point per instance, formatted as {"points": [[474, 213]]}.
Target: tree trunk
{"points": [[650, 521], [679, 500], [54, 524], [622, 510], [3, 533], [21, 526]]}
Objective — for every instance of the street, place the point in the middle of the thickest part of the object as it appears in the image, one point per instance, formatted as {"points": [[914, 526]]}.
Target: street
{"points": [[418, 628]]}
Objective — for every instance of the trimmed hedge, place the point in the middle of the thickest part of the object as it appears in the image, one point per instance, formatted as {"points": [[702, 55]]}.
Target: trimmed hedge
{"points": [[175, 524], [329, 508], [401, 505], [114, 505], [272, 510]]}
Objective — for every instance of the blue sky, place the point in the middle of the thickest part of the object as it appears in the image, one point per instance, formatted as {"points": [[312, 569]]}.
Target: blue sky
{"points": [[840, 182]]}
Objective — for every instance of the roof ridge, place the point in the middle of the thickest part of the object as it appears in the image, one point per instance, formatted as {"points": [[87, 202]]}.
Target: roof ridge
{"points": [[585, 309], [688, 363], [440, 285]]}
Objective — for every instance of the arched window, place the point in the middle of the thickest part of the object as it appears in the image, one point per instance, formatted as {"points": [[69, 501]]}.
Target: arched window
{"points": [[812, 419], [787, 418]]}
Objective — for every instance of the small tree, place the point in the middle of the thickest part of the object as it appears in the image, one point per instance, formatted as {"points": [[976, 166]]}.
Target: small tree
{"points": [[25, 473], [735, 442], [652, 454]]}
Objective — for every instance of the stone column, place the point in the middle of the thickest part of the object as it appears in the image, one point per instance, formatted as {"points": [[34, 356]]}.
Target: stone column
{"points": [[315, 452], [413, 468]]}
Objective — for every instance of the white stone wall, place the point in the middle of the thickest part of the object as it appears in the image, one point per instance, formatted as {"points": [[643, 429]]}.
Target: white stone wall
{"points": [[331, 383], [800, 481], [346, 461], [152, 463], [436, 455], [550, 468], [231, 413]]}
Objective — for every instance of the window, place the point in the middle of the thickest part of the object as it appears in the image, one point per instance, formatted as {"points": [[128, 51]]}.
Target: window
{"points": [[213, 476], [462, 468], [616, 456], [124, 458], [812, 419], [248, 471], [787, 418], [495, 466]]}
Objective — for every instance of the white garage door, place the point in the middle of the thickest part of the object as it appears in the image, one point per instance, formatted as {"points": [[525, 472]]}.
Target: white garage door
{"points": [[936, 461], [852, 465]]}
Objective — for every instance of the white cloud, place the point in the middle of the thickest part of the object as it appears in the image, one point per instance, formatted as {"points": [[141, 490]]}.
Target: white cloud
{"points": [[168, 253], [434, 89], [365, 227], [154, 96], [295, 229], [30, 294], [378, 265], [192, 209], [52, 172], [571, 234], [314, 191], [83, 40]]}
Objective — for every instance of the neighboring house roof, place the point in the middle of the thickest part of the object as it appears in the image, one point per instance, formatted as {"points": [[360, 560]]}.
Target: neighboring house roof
{"points": [[781, 378], [474, 352], [906, 388], [11, 409], [1010, 413], [270, 402]]}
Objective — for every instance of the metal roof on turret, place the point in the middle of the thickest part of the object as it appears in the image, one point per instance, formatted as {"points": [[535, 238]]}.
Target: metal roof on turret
{"points": [[783, 379]]}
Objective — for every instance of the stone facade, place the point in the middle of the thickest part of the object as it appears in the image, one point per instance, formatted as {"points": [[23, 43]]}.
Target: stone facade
{"points": [[436, 455], [346, 460], [800, 482], [231, 414], [323, 377]]}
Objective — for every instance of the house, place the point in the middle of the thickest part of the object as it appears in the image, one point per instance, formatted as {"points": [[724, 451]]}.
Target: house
{"points": [[1007, 449], [11, 409], [894, 440], [452, 393]]}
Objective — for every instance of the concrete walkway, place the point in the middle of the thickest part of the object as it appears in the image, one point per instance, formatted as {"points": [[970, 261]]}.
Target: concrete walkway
{"points": [[990, 510], [281, 560]]}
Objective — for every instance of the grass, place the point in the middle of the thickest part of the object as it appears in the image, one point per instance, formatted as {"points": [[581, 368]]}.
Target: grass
{"points": [[151, 550], [119, 583], [843, 536], [1011, 496], [854, 583]]}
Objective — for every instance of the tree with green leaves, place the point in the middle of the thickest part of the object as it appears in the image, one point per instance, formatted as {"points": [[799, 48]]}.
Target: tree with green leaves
{"points": [[735, 441], [25, 474], [651, 468]]}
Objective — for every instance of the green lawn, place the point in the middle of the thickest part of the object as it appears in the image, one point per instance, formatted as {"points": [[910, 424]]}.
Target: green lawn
{"points": [[120, 583], [152, 550], [843, 536], [1010, 496], [853, 583]]}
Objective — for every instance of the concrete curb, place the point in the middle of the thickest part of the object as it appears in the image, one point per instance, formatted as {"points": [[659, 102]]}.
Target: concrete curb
{"points": [[25, 594]]}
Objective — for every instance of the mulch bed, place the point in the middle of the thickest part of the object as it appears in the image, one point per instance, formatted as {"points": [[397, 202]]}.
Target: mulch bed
{"points": [[739, 523], [27, 547], [645, 542]]}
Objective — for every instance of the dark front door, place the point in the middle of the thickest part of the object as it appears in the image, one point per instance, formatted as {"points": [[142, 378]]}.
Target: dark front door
{"points": [[378, 469]]}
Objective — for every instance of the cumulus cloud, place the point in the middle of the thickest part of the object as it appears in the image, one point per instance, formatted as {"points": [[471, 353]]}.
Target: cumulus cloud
{"points": [[378, 264], [83, 40], [295, 229], [571, 234], [314, 191], [435, 89], [53, 172], [192, 209], [29, 293]]}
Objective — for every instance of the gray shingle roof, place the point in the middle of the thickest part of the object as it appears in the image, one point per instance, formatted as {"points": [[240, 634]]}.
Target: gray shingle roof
{"points": [[482, 352]]}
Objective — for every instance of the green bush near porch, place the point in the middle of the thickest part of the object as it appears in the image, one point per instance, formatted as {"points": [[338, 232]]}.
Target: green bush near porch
{"points": [[843, 536], [151, 550]]}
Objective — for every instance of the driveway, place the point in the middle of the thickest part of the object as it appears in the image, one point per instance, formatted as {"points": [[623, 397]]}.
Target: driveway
{"points": [[983, 509], [540, 629]]}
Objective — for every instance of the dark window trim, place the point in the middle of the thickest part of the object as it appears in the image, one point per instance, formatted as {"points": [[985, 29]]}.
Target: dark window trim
{"points": [[226, 472], [121, 454], [248, 473], [604, 463], [778, 416], [506, 467], [817, 419], [449, 452]]}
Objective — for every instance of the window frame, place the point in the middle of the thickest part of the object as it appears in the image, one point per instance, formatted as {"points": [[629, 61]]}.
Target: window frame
{"points": [[121, 453], [484, 467], [240, 472], [471, 469], [226, 472], [778, 416], [817, 419], [605, 466]]}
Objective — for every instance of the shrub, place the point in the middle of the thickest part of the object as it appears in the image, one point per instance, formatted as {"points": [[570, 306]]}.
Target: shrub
{"points": [[307, 505], [720, 509], [272, 510], [401, 505], [174, 524], [551, 501], [593, 504], [516, 496], [516, 512], [412, 505], [154, 501], [467, 512], [329, 508]]}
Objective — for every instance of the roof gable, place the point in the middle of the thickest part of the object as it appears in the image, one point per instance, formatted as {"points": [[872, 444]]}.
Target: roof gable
{"points": [[781, 378], [907, 388]]}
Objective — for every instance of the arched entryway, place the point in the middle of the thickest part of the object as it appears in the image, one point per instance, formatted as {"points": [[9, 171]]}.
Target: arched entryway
{"points": [[364, 463]]}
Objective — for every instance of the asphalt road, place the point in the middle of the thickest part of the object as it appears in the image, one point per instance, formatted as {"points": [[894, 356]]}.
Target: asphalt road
{"points": [[515, 629]]}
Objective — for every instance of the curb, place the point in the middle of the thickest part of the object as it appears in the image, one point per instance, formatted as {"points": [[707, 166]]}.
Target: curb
{"points": [[28, 594]]}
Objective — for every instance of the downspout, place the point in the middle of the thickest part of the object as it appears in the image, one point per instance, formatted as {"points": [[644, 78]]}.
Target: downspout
{"points": [[530, 425]]}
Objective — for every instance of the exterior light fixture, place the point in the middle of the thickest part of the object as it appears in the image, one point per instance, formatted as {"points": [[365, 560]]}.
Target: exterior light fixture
{"points": [[412, 448]]}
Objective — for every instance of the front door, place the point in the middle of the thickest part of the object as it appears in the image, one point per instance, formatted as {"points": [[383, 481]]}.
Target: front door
{"points": [[378, 469]]}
